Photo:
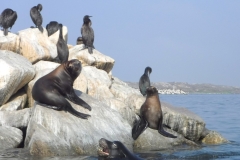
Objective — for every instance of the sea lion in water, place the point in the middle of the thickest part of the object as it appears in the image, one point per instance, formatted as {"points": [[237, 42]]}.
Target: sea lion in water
{"points": [[144, 81], [7, 19], [87, 33], [114, 150], [52, 27], [62, 48], [150, 115], [37, 17], [53, 88]]}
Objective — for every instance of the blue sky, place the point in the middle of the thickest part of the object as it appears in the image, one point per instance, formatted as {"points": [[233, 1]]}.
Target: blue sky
{"points": [[183, 41]]}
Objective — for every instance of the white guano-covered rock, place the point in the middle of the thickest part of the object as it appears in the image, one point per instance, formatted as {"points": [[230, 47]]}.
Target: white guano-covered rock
{"points": [[36, 46], [95, 59], [52, 132], [9, 42], [16, 71]]}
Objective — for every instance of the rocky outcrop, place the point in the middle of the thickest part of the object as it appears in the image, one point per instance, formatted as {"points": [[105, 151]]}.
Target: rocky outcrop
{"points": [[10, 137], [36, 46], [18, 119], [10, 42], [16, 102], [214, 138], [52, 133], [95, 59], [16, 71]]}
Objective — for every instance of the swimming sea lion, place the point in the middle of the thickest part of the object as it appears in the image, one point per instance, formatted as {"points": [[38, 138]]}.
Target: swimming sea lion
{"points": [[150, 115], [114, 150], [53, 88], [7, 19], [144, 81]]}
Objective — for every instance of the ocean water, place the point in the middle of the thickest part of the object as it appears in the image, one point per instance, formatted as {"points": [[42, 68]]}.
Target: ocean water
{"points": [[221, 113]]}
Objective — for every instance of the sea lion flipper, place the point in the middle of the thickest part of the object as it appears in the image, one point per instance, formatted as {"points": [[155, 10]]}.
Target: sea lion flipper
{"points": [[164, 133], [75, 99], [139, 127]]}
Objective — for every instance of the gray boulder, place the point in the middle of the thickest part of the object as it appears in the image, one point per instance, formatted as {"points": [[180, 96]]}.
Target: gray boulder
{"points": [[9, 42], [52, 132], [16, 72], [10, 137], [16, 102], [18, 119]]}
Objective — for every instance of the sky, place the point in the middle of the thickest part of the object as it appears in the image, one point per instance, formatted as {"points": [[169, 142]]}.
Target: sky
{"points": [[182, 41]]}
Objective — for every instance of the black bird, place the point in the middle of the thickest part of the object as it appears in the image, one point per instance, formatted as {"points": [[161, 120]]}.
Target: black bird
{"points": [[52, 27], [7, 19], [87, 33], [144, 81], [62, 47], [79, 40], [36, 16]]}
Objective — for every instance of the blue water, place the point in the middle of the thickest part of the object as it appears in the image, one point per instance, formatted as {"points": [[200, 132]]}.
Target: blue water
{"points": [[221, 113]]}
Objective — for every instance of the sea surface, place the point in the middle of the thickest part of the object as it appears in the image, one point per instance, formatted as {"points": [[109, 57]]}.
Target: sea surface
{"points": [[221, 113]]}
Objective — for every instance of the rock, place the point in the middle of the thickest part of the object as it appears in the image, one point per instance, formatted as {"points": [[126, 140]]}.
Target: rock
{"points": [[54, 37], [214, 138], [16, 102], [183, 121], [52, 133], [96, 59], [151, 140], [10, 137], [9, 42], [18, 119], [36, 46], [16, 72], [42, 68]]}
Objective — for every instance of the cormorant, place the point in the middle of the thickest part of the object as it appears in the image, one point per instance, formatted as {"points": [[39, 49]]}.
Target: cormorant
{"points": [[79, 40], [52, 27], [36, 16], [7, 19], [144, 81], [62, 47], [87, 33]]}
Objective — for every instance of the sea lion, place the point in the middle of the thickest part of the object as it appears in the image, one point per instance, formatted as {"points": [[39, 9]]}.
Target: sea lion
{"points": [[144, 81], [53, 88], [7, 19], [150, 115], [62, 48], [87, 33], [37, 17], [114, 150]]}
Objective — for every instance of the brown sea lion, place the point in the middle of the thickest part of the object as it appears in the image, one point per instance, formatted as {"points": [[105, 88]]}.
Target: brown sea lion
{"points": [[53, 88], [150, 115], [114, 150]]}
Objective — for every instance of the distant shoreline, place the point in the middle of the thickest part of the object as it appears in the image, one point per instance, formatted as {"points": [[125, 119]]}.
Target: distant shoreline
{"points": [[182, 88]]}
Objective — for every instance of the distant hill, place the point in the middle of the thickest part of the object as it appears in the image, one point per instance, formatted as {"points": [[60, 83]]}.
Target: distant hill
{"points": [[193, 88]]}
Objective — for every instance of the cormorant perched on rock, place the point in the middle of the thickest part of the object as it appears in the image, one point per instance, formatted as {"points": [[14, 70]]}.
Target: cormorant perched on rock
{"points": [[62, 47], [7, 19], [79, 40], [87, 33], [52, 27], [36, 16], [144, 81]]}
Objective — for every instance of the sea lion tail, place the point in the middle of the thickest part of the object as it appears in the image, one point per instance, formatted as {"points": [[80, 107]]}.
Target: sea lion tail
{"points": [[90, 50], [40, 28], [166, 134], [76, 113], [5, 31]]}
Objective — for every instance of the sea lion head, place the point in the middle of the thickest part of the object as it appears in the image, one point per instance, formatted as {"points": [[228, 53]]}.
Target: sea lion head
{"points": [[151, 90], [110, 149], [73, 67]]}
